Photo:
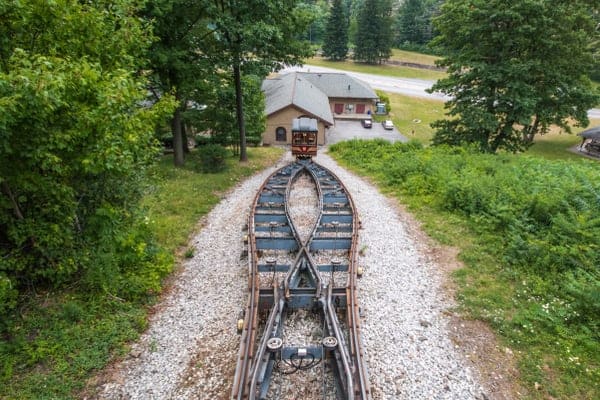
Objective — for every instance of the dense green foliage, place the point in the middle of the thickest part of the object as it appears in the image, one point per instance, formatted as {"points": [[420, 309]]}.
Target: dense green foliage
{"points": [[413, 25], [218, 117], [319, 9], [533, 225], [75, 144], [175, 62], [61, 338], [513, 77], [200, 41], [335, 44], [373, 38], [254, 37]]}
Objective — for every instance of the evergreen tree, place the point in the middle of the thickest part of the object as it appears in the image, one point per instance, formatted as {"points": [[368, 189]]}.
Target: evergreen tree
{"points": [[411, 23], [335, 46], [373, 39], [385, 35]]}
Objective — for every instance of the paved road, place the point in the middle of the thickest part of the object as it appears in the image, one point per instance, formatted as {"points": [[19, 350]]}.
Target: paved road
{"points": [[407, 86]]}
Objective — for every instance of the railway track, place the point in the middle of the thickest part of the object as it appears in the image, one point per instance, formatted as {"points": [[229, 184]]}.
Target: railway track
{"points": [[301, 328]]}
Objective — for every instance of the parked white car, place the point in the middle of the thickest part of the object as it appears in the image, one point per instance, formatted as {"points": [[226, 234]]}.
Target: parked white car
{"points": [[388, 124]]}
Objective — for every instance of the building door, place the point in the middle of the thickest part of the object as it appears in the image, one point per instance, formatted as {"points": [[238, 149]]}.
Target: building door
{"points": [[360, 108], [338, 108]]}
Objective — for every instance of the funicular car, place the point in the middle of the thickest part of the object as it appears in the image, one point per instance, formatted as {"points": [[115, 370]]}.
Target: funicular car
{"points": [[304, 137]]}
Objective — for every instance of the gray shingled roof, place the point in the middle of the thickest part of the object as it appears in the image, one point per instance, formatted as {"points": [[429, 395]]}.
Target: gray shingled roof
{"points": [[311, 92], [592, 133], [278, 92], [291, 89], [340, 85]]}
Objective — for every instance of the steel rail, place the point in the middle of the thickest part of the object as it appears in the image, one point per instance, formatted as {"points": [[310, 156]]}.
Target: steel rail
{"points": [[253, 371], [273, 326], [273, 184], [251, 313], [352, 308], [245, 354]]}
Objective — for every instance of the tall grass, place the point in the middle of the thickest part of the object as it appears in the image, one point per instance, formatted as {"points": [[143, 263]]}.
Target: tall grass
{"points": [[529, 230]]}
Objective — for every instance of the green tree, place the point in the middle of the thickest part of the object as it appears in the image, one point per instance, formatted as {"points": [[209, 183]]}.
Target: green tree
{"points": [[373, 40], [413, 25], [176, 61], [515, 69], [319, 9], [352, 9], [76, 140], [219, 117], [595, 74], [335, 46], [256, 37]]}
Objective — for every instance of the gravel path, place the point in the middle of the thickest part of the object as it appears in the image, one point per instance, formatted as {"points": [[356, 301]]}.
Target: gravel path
{"points": [[190, 348]]}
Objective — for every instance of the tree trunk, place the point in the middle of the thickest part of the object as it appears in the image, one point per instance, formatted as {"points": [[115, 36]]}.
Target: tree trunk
{"points": [[178, 154], [239, 105], [6, 190], [531, 130], [186, 147]]}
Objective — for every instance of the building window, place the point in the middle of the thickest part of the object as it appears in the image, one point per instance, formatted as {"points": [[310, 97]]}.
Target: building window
{"points": [[280, 134]]}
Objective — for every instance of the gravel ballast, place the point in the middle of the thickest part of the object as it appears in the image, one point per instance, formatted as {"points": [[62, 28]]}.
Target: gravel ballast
{"points": [[189, 350]]}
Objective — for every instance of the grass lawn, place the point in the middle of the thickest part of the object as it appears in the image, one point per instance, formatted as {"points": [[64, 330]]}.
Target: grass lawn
{"points": [[181, 196], [412, 116], [386, 69], [412, 57], [556, 144], [61, 338]]}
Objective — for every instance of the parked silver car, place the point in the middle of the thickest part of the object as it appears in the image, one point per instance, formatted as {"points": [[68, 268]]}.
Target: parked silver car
{"points": [[388, 124]]}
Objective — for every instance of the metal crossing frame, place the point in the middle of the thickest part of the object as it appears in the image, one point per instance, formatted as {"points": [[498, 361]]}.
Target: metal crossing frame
{"points": [[270, 228]]}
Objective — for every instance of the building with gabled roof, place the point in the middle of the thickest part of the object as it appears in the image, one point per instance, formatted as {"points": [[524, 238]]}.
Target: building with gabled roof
{"points": [[323, 96]]}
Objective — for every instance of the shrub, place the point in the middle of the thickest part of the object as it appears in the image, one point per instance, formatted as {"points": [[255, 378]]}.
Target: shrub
{"points": [[129, 265], [541, 216], [533, 231], [253, 140], [212, 158], [202, 140], [8, 296], [384, 98]]}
